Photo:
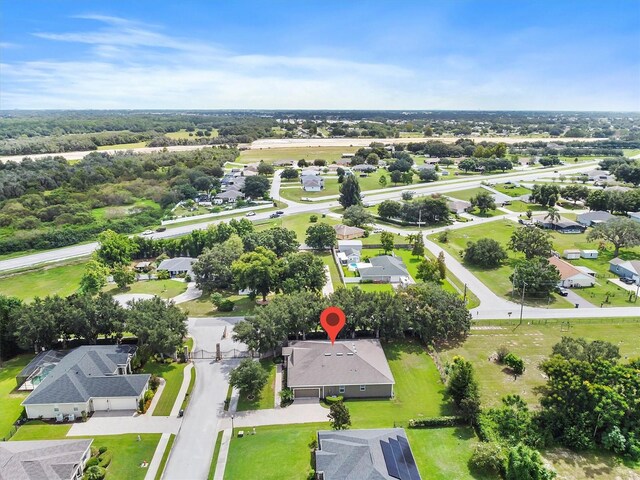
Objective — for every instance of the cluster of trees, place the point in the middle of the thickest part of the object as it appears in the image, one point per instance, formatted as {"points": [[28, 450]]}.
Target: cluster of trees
{"points": [[546, 195], [485, 164], [620, 232], [608, 148], [424, 309], [614, 201], [42, 323], [485, 253], [428, 210], [625, 170], [533, 275]]}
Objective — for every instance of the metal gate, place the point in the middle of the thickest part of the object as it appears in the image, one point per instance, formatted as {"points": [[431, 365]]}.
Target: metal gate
{"points": [[201, 354]]}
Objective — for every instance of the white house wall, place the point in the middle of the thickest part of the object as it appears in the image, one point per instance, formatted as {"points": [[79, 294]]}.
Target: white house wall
{"points": [[48, 411]]}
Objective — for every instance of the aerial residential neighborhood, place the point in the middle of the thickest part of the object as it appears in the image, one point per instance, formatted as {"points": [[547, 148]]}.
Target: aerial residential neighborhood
{"points": [[328, 241]]}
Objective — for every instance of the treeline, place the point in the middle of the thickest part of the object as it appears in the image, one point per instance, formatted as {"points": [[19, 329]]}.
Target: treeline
{"points": [[428, 210], [607, 148], [423, 310]]}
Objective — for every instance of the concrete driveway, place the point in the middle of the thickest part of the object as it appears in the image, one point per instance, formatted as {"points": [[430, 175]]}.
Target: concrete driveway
{"points": [[116, 425], [298, 412], [192, 451], [191, 293]]}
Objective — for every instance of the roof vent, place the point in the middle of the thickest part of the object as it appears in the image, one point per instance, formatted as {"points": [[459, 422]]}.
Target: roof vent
{"points": [[350, 354], [327, 354], [339, 354]]}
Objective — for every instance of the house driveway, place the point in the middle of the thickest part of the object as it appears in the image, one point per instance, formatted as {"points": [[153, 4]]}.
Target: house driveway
{"points": [[298, 412], [576, 299], [191, 293], [116, 425]]}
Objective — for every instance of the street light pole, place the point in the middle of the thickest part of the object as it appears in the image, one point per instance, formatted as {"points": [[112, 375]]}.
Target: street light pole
{"points": [[232, 425]]}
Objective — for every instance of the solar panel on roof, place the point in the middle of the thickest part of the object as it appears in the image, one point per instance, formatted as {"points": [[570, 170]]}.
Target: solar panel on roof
{"points": [[399, 458], [392, 468], [408, 457]]}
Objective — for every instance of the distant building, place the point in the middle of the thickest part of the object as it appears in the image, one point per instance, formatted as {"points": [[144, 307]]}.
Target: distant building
{"points": [[312, 183], [384, 269], [589, 253], [570, 276], [383, 454], [571, 254], [177, 266], [564, 225], [228, 196], [589, 219], [364, 168], [458, 206], [625, 268], [345, 232], [349, 251]]}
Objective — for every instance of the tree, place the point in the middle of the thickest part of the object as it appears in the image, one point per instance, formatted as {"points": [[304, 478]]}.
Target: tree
{"points": [[515, 363], [536, 276], [390, 209], [628, 173], [302, 271], [553, 215], [467, 165], [123, 276], [545, 195], [372, 159], [619, 231], [249, 377], [487, 458], [94, 277], [382, 181], [525, 463], [386, 240], [484, 201], [115, 249], [339, 416], [257, 271], [39, 323], [575, 192], [428, 271], [396, 176], [159, 325], [428, 175], [279, 240], [289, 173], [486, 253], [531, 241], [579, 349], [256, 186], [442, 267], [9, 308], [321, 236], [461, 382], [417, 244], [350, 192], [357, 216], [265, 169], [213, 268]]}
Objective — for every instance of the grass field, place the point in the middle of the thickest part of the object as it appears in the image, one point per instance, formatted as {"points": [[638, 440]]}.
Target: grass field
{"points": [[298, 223], [9, 398], [123, 146], [588, 465], [520, 206], [202, 307], [214, 459], [371, 287], [533, 343], [165, 457], [119, 211], [465, 194], [128, 452], [266, 397], [330, 154], [327, 258], [173, 373], [161, 288], [62, 280], [511, 190]]}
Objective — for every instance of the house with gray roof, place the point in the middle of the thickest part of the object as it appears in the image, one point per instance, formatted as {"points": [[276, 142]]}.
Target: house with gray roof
{"points": [[351, 368], [312, 183], [625, 268], [364, 168], [589, 219], [177, 266], [44, 459], [458, 206], [384, 269], [89, 378], [349, 251], [564, 225], [375, 454], [231, 195]]}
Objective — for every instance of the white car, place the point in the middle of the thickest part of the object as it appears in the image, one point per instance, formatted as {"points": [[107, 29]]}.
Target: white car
{"points": [[250, 214], [148, 232], [378, 230]]}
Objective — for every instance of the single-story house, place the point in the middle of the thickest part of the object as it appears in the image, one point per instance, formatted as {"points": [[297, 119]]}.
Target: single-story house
{"points": [[625, 268], [345, 232], [594, 175], [284, 163], [564, 225], [384, 269], [364, 168], [458, 206], [351, 368], [589, 253], [312, 183], [383, 454], [589, 219], [310, 171], [570, 276], [634, 216], [177, 266], [419, 168], [229, 196], [571, 254], [89, 378], [44, 459], [349, 251], [142, 266]]}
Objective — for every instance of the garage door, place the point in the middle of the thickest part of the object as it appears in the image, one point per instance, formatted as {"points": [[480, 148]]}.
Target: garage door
{"points": [[306, 393]]}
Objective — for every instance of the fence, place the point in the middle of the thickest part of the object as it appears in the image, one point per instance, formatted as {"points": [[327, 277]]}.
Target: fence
{"points": [[202, 354], [556, 321]]}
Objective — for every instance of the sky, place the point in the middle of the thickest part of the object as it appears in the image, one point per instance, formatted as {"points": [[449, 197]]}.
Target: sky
{"points": [[349, 54]]}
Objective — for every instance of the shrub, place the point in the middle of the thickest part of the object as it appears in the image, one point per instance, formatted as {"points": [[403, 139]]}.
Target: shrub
{"points": [[225, 306], [313, 218], [148, 395], [187, 278], [331, 399], [94, 473], [84, 416], [515, 363], [105, 459], [443, 237], [92, 461], [163, 275], [501, 353], [286, 397], [487, 458], [94, 451], [102, 449], [436, 422], [154, 382]]}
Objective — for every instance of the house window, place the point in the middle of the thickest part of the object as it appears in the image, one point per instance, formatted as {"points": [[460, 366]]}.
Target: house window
{"points": [[363, 388], [75, 409], [341, 389], [56, 409]]}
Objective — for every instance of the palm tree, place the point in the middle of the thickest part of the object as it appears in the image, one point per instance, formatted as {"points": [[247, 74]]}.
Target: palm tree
{"points": [[554, 215]]}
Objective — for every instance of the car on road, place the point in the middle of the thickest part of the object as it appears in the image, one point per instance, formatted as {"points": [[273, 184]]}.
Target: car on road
{"points": [[280, 212], [250, 214], [148, 232], [161, 229], [563, 292], [274, 215], [378, 230]]}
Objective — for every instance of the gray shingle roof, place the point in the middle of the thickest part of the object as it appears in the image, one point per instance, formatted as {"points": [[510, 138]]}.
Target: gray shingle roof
{"points": [[41, 459], [385, 265], [177, 264], [86, 372], [595, 216], [355, 454], [352, 362]]}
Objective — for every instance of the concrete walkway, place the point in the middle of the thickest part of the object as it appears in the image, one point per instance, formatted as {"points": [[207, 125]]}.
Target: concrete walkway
{"points": [[222, 455], [154, 465], [327, 289], [191, 293], [114, 425], [278, 386], [183, 390]]}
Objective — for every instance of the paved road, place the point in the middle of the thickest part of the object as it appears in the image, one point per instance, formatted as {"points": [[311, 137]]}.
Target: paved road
{"points": [[192, 451]]}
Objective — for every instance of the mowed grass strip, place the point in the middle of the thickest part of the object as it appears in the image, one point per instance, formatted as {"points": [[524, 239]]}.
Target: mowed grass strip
{"points": [[266, 397], [214, 459], [533, 343], [173, 374], [202, 306], [161, 288], [270, 155], [61, 280], [10, 399]]}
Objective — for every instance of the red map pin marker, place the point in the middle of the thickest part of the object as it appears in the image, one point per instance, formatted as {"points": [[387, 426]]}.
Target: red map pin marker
{"points": [[332, 320]]}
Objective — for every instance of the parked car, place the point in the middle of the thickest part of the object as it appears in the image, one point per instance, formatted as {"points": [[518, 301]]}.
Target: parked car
{"points": [[378, 230], [250, 214], [628, 281], [563, 292]]}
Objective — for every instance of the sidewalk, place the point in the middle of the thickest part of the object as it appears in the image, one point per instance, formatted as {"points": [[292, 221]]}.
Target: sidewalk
{"points": [[222, 455], [152, 470]]}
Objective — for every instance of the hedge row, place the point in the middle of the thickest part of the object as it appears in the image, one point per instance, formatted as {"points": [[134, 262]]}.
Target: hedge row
{"points": [[437, 422]]}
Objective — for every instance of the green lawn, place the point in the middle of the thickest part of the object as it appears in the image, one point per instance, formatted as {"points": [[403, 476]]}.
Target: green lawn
{"points": [[511, 190], [465, 194], [202, 307], [165, 457], [123, 146], [371, 287], [533, 343], [330, 154], [418, 390], [62, 280], [106, 213], [128, 452], [173, 373], [520, 206], [328, 260], [266, 397], [9, 398], [214, 459], [161, 288], [298, 223]]}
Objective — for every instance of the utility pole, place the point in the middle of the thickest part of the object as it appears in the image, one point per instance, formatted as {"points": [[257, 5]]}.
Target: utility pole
{"points": [[522, 302], [464, 295]]}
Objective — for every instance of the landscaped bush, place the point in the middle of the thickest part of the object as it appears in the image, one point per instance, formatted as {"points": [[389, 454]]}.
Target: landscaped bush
{"points": [[105, 459], [154, 382], [102, 449], [366, 280], [92, 461], [94, 473], [286, 397], [225, 306], [436, 422], [331, 399], [313, 218], [94, 451], [515, 363], [501, 353], [488, 458]]}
